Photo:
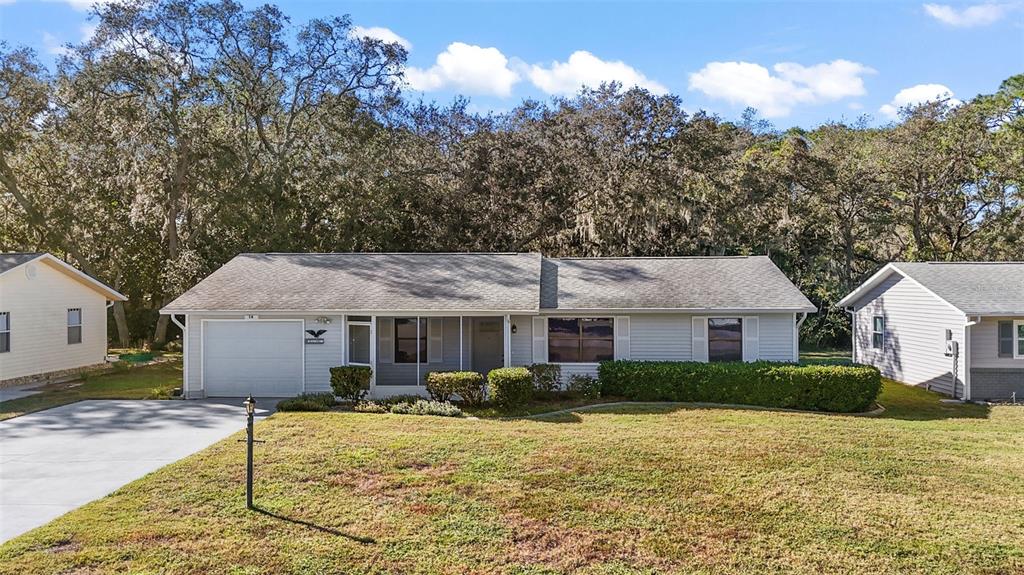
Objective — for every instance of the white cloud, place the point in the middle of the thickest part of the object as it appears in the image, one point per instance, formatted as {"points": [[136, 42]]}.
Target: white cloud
{"points": [[2, 2], [88, 31], [585, 69], [916, 95], [775, 95], [81, 5], [380, 33], [472, 70], [977, 15], [54, 46]]}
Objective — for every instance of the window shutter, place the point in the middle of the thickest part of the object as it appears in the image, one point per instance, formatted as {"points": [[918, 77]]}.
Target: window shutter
{"points": [[435, 340], [386, 339], [1005, 339], [751, 337], [699, 332], [622, 337], [540, 340]]}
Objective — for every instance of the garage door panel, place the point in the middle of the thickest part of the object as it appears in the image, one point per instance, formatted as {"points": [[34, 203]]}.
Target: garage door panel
{"points": [[263, 358]]}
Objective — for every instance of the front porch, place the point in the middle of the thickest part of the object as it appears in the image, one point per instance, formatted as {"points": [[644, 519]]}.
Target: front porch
{"points": [[403, 349]]}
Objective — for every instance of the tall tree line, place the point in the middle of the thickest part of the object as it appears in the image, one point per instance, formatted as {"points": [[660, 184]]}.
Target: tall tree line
{"points": [[184, 132]]}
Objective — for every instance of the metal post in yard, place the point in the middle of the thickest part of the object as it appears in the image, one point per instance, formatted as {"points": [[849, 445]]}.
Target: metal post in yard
{"points": [[250, 409]]}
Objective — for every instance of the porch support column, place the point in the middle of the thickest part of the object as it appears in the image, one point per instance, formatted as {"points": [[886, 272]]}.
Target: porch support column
{"points": [[461, 348], [373, 356], [508, 340], [418, 336]]}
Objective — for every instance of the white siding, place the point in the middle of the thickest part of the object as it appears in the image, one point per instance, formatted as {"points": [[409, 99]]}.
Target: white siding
{"points": [[985, 342], [776, 336], [915, 324], [522, 341], [660, 337], [39, 336]]}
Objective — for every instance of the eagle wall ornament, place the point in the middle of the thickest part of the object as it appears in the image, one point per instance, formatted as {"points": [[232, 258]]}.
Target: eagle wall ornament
{"points": [[316, 332]]}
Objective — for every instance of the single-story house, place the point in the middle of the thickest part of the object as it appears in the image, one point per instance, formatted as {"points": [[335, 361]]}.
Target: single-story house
{"points": [[53, 317], [956, 328], [272, 324]]}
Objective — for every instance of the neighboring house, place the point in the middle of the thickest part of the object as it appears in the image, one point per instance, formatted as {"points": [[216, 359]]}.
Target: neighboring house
{"points": [[956, 328], [272, 324], [53, 317]]}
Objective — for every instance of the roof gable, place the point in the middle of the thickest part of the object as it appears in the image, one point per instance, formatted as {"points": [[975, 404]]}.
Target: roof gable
{"points": [[12, 261]]}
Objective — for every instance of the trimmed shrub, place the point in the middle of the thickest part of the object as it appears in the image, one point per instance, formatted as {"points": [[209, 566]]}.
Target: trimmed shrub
{"points": [[351, 382], [426, 407], [836, 388], [370, 407], [468, 385], [510, 386], [584, 386], [307, 402], [547, 378]]}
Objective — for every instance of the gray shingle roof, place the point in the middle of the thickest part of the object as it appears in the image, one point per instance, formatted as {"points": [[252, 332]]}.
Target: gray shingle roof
{"points": [[369, 282], [488, 282], [691, 283], [975, 288], [14, 259]]}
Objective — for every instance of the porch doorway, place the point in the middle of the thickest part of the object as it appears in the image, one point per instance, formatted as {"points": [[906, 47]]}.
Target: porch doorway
{"points": [[488, 347]]}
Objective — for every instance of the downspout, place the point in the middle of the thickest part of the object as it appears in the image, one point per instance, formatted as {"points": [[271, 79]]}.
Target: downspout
{"points": [[853, 333], [796, 337], [967, 355], [184, 354]]}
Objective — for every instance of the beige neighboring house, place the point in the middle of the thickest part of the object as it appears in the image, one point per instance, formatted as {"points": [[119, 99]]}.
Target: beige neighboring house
{"points": [[53, 317]]}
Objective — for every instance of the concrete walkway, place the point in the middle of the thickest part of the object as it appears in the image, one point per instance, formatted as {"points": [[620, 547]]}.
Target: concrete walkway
{"points": [[54, 461], [20, 391]]}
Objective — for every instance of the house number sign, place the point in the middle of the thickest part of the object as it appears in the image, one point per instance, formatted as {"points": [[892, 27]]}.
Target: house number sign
{"points": [[317, 338]]}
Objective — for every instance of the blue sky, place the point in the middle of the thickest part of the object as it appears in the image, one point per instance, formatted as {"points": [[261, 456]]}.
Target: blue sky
{"points": [[799, 63]]}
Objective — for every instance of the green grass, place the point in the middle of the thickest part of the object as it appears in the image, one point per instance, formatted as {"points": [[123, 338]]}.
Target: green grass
{"points": [[924, 488], [146, 382], [825, 357]]}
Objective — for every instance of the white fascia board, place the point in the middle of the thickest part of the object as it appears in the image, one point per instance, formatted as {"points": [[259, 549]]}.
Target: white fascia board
{"points": [[384, 313], [109, 292]]}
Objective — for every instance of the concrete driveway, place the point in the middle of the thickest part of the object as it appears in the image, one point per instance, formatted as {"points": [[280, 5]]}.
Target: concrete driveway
{"points": [[56, 460]]}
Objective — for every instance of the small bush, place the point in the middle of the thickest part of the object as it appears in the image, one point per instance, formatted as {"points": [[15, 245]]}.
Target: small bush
{"points": [[370, 407], [584, 386], [404, 398], [351, 382], [426, 407], [468, 385], [835, 388], [547, 378], [173, 346], [510, 386], [307, 402]]}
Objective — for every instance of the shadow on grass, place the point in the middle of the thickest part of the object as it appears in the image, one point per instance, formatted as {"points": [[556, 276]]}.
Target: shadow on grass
{"points": [[320, 528]]}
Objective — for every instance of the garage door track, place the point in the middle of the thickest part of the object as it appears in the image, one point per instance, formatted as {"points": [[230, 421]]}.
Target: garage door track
{"points": [[56, 460]]}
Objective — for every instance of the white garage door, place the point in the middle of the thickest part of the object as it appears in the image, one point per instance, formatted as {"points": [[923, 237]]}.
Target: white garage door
{"points": [[263, 358]]}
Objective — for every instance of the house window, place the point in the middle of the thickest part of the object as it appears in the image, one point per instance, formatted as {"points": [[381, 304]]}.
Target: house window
{"points": [[74, 325], [359, 343], [580, 340], [5, 332], [1006, 339], [407, 333], [1018, 332], [725, 339], [878, 332]]}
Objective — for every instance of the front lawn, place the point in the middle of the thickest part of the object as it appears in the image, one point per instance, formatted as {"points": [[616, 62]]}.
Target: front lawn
{"points": [[154, 381], [924, 488]]}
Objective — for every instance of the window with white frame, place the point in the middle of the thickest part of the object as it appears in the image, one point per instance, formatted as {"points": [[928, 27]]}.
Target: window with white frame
{"points": [[580, 340], [359, 342], [5, 331], [878, 332], [410, 337], [1018, 333], [74, 325], [725, 339]]}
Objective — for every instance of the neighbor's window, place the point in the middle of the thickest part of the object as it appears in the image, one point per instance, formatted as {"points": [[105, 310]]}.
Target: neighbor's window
{"points": [[580, 340], [1006, 339], [406, 340], [75, 325], [878, 332], [1018, 330], [5, 331], [725, 339]]}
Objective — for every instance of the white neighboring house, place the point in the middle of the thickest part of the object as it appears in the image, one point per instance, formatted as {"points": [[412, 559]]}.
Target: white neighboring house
{"points": [[956, 328], [53, 317], [273, 324]]}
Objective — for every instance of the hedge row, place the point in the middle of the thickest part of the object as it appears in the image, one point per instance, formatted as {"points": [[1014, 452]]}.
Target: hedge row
{"points": [[836, 388]]}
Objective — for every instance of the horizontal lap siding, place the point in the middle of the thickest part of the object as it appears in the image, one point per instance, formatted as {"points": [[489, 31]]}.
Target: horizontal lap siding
{"points": [[985, 345], [39, 322], [915, 322], [775, 336], [660, 337], [522, 341]]}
